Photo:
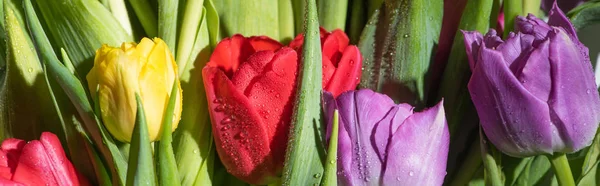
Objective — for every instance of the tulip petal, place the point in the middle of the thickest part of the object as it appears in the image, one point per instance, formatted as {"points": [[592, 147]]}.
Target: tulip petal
{"points": [[532, 26], [231, 52], [574, 102], [385, 129], [360, 111], [5, 171], [271, 94], [240, 134], [35, 167], [252, 67], [8, 182], [422, 164], [64, 172], [516, 50], [557, 18], [346, 76], [536, 75], [473, 40], [495, 91], [12, 147]]}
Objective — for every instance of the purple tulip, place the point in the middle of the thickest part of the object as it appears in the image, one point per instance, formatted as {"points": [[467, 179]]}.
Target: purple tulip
{"points": [[565, 5], [535, 92], [381, 143]]}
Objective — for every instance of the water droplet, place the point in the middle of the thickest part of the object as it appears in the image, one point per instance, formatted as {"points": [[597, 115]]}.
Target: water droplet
{"points": [[406, 36], [397, 178], [195, 151], [220, 108], [588, 91], [226, 121], [30, 70], [218, 100], [411, 173], [241, 135], [224, 128], [332, 161], [317, 175]]}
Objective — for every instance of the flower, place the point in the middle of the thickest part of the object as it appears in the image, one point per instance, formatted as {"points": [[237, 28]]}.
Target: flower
{"points": [[382, 143], [118, 73], [535, 92], [37, 162], [342, 63], [250, 87]]}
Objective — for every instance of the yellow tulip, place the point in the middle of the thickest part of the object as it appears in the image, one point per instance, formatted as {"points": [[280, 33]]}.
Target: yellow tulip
{"points": [[148, 69]]}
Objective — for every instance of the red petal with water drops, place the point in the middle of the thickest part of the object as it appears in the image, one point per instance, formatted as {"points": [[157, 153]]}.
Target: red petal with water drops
{"points": [[34, 167], [8, 182], [64, 172], [231, 52], [12, 147], [239, 132], [348, 72]]}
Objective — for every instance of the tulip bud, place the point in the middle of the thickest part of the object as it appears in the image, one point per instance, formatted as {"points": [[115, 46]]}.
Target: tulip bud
{"points": [[382, 143], [535, 91], [250, 85], [148, 69]]}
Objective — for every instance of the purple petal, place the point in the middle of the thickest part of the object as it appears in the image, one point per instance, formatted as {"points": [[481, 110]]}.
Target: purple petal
{"points": [[512, 118], [532, 26], [565, 5], [472, 41], [535, 76], [386, 128], [360, 111], [574, 101], [419, 150], [516, 50], [557, 18]]}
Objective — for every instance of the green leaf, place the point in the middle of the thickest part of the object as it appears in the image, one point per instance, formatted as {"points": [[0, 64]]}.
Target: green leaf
{"points": [[167, 22], [146, 15], [514, 8], [590, 164], [141, 167], [306, 151], [192, 18], [491, 162], [585, 15], [330, 174], [397, 45], [81, 27], [119, 11], [453, 87], [76, 93], [166, 165], [193, 140], [332, 14], [266, 16]]}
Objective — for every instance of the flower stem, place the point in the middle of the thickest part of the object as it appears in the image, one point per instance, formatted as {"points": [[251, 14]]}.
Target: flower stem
{"points": [[562, 170]]}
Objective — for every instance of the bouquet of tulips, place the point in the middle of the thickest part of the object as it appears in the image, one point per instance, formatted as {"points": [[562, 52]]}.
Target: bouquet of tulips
{"points": [[299, 92]]}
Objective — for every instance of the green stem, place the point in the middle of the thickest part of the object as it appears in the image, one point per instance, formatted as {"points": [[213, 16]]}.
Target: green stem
{"points": [[512, 8], [470, 166], [147, 17], [531, 6], [562, 170]]}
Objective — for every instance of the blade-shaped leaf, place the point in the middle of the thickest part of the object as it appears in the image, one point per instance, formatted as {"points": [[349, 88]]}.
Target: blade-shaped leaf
{"points": [[141, 167], [332, 14], [167, 168], [146, 15], [398, 44], [585, 15], [306, 152], [167, 22], [76, 93], [330, 173]]}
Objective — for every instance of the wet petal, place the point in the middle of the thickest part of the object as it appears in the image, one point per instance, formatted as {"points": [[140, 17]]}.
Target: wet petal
{"points": [[535, 76], [420, 150], [240, 134], [347, 75], [231, 52], [512, 118], [574, 101], [35, 166]]}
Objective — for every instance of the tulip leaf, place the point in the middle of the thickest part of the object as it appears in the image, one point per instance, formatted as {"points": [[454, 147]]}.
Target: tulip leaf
{"points": [[590, 163], [141, 167], [305, 151], [330, 173], [189, 28], [332, 14], [267, 18], [167, 168], [146, 15], [397, 45], [76, 93], [167, 22], [81, 27], [585, 15], [193, 140]]}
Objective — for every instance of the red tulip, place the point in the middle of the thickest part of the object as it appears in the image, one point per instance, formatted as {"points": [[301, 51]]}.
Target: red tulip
{"points": [[37, 162], [342, 63], [250, 86]]}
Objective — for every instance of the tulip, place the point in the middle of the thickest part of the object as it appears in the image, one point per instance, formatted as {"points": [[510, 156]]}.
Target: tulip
{"points": [[37, 162], [148, 69], [342, 62], [250, 87], [535, 91], [382, 143]]}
